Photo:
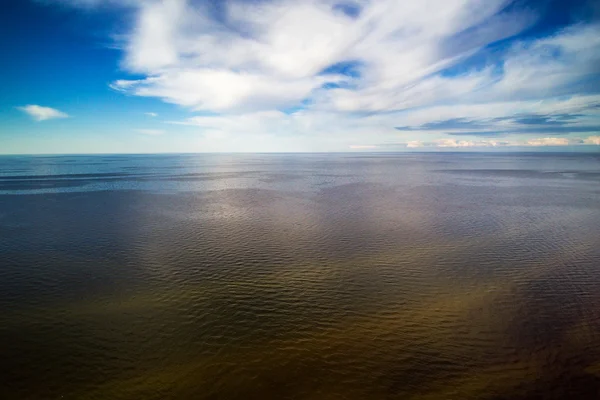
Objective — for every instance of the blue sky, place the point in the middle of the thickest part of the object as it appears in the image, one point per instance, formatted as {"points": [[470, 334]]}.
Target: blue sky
{"points": [[131, 76]]}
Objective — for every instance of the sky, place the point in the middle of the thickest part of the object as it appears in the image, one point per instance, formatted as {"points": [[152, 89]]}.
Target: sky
{"points": [[150, 76]]}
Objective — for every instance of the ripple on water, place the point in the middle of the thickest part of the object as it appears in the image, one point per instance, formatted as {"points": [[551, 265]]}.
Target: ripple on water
{"points": [[317, 278]]}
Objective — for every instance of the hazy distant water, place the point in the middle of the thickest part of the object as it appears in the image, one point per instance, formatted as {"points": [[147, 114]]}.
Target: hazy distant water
{"points": [[356, 276]]}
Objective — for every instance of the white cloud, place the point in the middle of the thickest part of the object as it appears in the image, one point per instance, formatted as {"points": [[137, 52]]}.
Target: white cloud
{"points": [[413, 144], [464, 143], [151, 132], [257, 59], [549, 141], [308, 124], [223, 90], [484, 111], [40, 113], [151, 114], [592, 140], [264, 57]]}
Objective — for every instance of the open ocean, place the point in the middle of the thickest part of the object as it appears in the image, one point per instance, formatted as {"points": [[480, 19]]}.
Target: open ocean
{"points": [[300, 276]]}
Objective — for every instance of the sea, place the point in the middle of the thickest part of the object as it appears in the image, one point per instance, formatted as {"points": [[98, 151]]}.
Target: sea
{"points": [[300, 276]]}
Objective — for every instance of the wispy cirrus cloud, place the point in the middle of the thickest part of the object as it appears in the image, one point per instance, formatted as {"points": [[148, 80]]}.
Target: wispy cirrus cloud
{"points": [[40, 113], [551, 124], [261, 56], [448, 69]]}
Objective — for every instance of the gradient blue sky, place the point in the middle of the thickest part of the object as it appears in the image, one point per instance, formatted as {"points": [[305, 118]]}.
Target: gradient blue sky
{"points": [[131, 76]]}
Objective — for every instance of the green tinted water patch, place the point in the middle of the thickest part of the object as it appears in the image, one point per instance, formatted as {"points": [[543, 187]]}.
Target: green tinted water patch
{"points": [[395, 354], [299, 329]]}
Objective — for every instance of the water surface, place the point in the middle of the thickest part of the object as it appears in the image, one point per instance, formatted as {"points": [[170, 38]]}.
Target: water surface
{"points": [[348, 276]]}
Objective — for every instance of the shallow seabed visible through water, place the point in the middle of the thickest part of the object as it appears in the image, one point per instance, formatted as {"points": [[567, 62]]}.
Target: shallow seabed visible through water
{"points": [[282, 276]]}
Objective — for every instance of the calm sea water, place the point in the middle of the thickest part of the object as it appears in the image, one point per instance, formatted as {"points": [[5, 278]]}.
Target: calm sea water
{"points": [[349, 276]]}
